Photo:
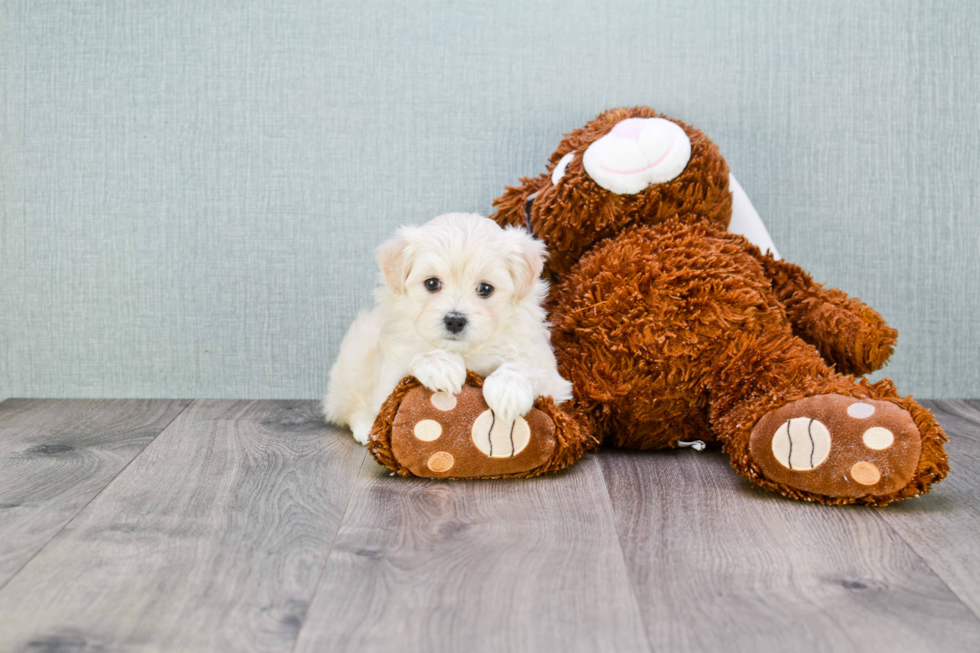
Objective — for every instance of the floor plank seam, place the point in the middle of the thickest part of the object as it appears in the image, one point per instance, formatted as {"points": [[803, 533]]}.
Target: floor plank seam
{"points": [[96, 496], [925, 561], [622, 554], [326, 559], [937, 407], [245, 510]]}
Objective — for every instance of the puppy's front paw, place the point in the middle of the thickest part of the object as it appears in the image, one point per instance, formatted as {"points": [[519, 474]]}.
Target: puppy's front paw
{"points": [[509, 393], [361, 435], [360, 426], [440, 371]]}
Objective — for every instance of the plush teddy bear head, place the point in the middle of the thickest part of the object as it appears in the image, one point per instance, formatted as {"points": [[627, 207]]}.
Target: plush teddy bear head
{"points": [[627, 167]]}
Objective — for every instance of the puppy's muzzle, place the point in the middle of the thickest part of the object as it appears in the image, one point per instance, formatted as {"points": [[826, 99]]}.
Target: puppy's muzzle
{"points": [[455, 322]]}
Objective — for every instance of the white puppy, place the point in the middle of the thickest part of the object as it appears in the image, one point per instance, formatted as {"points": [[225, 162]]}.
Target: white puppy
{"points": [[459, 293]]}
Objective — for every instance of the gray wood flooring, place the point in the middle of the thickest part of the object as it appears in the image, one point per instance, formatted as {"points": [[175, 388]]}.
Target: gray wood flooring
{"points": [[146, 525]]}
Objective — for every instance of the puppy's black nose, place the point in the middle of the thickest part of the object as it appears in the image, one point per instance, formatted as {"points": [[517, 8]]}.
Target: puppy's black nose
{"points": [[455, 322]]}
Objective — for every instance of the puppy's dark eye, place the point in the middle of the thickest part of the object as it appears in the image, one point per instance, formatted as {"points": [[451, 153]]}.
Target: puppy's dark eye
{"points": [[484, 290], [433, 284]]}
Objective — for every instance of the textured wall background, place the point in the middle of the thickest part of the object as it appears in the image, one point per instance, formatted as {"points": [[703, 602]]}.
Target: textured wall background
{"points": [[191, 191]]}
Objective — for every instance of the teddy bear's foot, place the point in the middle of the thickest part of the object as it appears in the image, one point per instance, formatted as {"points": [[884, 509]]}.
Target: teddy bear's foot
{"points": [[439, 435], [838, 447]]}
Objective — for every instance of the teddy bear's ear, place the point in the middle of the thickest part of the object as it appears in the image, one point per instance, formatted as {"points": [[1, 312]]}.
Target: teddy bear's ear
{"points": [[512, 205], [526, 263], [394, 260]]}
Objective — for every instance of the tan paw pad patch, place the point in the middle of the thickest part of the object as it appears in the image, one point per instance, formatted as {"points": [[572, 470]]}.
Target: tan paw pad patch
{"points": [[860, 410], [443, 401], [441, 461], [498, 439], [801, 443], [865, 473], [878, 438], [427, 430], [837, 446]]}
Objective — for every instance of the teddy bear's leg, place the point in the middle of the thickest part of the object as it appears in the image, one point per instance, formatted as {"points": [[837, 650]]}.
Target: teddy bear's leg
{"points": [[793, 425], [849, 334], [439, 435]]}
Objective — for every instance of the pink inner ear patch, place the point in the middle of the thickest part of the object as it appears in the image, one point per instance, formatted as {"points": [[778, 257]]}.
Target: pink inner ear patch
{"points": [[860, 410]]}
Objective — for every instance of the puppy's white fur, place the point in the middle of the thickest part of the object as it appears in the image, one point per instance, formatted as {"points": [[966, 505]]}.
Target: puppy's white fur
{"points": [[505, 340]]}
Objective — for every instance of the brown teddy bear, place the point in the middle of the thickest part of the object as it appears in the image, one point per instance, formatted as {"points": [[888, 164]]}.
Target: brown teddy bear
{"points": [[672, 329]]}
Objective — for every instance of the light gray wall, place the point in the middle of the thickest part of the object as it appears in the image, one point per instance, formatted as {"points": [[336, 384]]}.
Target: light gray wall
{"points": [[191, 191]]}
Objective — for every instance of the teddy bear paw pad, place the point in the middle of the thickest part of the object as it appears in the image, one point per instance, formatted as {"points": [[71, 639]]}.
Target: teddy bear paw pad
{"points": [[436, 435], [837, 446]]}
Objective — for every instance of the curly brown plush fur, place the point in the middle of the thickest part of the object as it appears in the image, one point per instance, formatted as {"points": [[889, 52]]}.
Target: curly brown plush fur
{"points": [[672, 329]]}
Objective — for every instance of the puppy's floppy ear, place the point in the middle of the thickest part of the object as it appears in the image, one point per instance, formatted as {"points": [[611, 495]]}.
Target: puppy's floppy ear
{"points": [[526, 262], [394, 261]]}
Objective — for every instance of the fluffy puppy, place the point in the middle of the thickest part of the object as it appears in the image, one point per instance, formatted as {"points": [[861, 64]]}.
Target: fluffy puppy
{"points": [[459, 293]]}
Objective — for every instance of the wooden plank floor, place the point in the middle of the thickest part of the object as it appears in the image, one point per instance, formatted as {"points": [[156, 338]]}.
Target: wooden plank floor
{"points": [[251, 526], [56, 456]]}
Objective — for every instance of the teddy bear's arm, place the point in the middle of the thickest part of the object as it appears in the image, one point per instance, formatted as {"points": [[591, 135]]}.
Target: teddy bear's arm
{"points": [[846, 331]]}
